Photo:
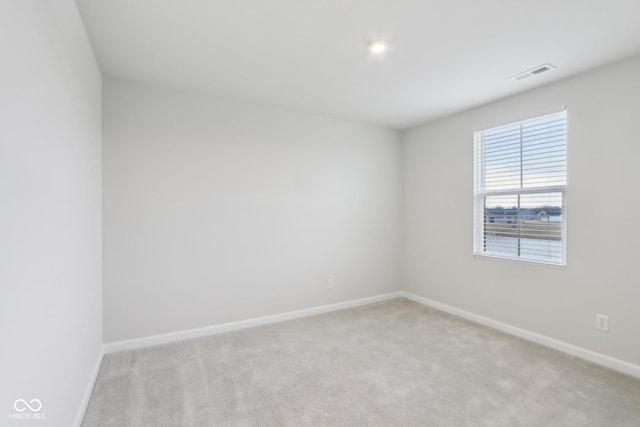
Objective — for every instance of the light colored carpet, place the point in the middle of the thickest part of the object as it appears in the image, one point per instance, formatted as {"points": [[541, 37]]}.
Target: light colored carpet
{"points": [[394, 363]]}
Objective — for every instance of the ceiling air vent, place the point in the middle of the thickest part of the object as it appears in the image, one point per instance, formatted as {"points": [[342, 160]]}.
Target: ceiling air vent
{"points": [[533, 72]]}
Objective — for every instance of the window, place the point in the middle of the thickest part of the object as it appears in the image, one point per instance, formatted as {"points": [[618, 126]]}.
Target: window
{"points": [[520, 178]]}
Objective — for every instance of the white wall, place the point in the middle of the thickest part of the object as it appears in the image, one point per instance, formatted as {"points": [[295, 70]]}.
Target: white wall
{"points": [[217, 211], [603, 270], [50, 213]]}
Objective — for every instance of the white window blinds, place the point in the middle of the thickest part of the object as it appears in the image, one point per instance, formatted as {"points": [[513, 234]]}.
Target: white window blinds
{"points": [[520, 175]]}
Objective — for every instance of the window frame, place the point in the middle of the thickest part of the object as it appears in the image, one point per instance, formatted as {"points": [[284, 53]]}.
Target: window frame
{"points": [[480, 193]]}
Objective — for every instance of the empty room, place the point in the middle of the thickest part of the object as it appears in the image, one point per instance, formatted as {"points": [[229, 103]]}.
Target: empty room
{"points": [[319, 213]]}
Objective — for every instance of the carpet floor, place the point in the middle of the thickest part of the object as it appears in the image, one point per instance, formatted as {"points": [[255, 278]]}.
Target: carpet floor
{"points": [[393, 363]]}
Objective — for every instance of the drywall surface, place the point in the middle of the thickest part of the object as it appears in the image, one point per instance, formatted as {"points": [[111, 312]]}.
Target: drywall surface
{"points": [[602, 272], [217, 211], [50, 218]]}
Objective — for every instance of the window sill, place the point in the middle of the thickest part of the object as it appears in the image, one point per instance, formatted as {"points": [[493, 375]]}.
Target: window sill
{"points": [[521, 261]]}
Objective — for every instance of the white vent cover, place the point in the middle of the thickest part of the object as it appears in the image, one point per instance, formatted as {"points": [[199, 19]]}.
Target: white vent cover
{"points": [[533, 72]]}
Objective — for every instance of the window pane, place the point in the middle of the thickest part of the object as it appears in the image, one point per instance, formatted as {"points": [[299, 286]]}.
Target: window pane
{"points": [[544, 155], [541, 227], [527, 226], [501, 226], [502, 158]]}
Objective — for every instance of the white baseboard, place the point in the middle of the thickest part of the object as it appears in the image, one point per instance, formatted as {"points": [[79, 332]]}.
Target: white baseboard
{"points": [[242, 324], [89, 390], [591, 356]]}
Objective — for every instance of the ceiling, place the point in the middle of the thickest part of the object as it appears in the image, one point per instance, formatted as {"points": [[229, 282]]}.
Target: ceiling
{"points": [[311, 55]]}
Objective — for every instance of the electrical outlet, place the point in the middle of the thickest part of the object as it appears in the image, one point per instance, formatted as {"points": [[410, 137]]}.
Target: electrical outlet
{"points": [[330, 283], [602, 322]]}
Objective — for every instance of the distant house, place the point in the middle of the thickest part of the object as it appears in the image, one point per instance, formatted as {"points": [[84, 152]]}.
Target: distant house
{"points": [[550, 215]]}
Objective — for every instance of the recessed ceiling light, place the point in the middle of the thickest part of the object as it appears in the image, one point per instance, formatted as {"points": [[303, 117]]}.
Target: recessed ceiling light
{"points": [[378, 47]]}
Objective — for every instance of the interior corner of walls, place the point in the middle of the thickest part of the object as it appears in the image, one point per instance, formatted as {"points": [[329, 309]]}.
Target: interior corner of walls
{"points": [[91, 382]]}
